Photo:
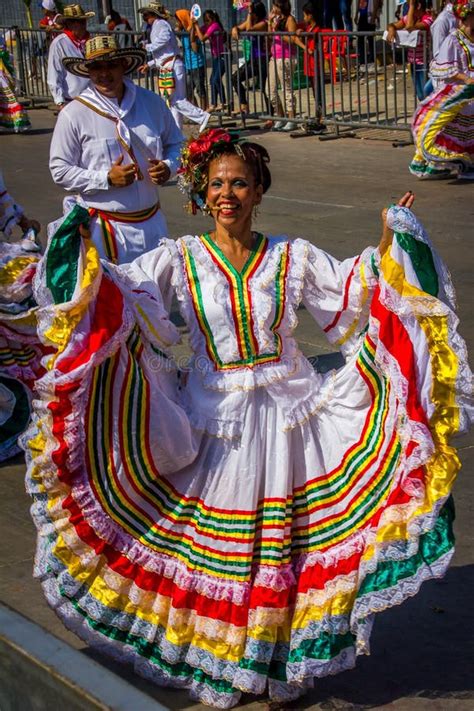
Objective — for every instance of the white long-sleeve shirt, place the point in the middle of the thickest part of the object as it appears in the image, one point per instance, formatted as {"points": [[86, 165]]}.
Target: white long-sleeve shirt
{"points": [[441, 27], [85, 145], [162, 44], [63, 85]]}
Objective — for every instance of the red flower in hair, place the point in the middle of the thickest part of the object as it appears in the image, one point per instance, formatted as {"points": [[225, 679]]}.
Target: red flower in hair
{"points": [[195, 158], [462, 8], [202, 145]]}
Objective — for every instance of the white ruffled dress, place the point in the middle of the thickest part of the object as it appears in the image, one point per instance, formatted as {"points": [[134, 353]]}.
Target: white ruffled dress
{"points": [[234, 527]]}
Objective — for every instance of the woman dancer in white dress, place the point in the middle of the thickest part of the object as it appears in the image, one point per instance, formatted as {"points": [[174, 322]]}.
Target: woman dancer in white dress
{"points": [[236, 529]]}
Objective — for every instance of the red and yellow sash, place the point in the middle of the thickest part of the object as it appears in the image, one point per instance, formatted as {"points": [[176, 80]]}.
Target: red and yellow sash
{"points": [[106, 220]]}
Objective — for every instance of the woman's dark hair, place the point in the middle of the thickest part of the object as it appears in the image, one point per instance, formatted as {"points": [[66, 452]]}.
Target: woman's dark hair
{"points": [[254, 154], [259, 10], [115, 17], [314, 8], [284, 6], [214, 17]]}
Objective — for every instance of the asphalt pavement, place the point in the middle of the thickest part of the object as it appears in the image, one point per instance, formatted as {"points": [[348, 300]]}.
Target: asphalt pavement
{"points": [[331, 193]]}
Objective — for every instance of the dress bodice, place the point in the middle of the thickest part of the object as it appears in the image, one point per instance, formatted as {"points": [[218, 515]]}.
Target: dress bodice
{"points": [[241, 324], [237, 319]]}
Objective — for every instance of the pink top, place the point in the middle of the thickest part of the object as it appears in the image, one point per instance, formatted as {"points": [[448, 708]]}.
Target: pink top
{"points": [[216, 38], [417, 55], [281, 49]]}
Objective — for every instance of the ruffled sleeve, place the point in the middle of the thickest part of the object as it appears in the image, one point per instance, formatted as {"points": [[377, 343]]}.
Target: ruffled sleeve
{"points": [[100, 319], [338, 294], [147, 286], [73, 289], [449, 61]]}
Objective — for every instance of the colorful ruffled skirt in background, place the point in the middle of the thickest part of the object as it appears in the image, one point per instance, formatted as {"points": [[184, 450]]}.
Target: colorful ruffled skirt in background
{"points": [[20, 350], [13, 117], [443, 132]]}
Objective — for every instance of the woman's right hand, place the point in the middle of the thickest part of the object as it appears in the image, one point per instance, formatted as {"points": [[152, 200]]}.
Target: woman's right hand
{"points": [[407, 201]]}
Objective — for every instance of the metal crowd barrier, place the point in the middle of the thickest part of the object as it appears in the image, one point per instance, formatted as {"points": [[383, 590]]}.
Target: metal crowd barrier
{"points": [[346, 79]]}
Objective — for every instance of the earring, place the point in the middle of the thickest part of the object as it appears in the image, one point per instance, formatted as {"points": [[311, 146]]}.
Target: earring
{"points": [[255, 211]]}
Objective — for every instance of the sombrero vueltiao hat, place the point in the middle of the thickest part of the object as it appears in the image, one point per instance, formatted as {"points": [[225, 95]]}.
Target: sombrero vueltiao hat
{"points": [[74, 12], [104, 48], [155, 8]]}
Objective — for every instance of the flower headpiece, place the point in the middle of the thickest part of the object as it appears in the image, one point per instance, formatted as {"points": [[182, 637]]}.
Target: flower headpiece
{"points": [[462, 9], [195, 158]]}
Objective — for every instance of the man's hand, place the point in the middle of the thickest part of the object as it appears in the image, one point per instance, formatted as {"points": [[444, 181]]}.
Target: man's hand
{"points": [[158, 172], [143, 68], [121, 175]]}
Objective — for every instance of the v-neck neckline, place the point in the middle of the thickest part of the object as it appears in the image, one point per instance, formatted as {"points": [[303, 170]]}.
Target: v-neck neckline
{"points": [[211, 246]]}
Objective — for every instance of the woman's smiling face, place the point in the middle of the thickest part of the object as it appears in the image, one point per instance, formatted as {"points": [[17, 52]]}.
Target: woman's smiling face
{"points": [[231, 192]]}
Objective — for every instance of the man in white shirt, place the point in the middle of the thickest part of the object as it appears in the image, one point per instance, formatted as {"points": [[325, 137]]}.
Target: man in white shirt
{"points": [[70, 43], [164, 50], [114, 144]]}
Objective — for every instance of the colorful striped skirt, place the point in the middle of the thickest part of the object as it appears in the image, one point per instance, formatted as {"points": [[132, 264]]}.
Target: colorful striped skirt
{"points": [[20, 350], [443, 131], [13, 116]]}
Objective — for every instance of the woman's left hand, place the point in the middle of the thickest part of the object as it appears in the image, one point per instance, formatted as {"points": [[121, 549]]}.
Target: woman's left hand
{"points": [[387, 234]]}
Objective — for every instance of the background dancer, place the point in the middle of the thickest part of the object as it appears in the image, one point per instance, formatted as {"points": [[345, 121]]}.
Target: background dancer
{"points": [[20, 351], [114, 145], [166, 57], [63, 85], [443, 125], [13, 117]]}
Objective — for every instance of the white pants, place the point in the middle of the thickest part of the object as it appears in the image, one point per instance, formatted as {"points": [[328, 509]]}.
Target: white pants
{"points": [[131, 239], [280, 75], [179, 104]]}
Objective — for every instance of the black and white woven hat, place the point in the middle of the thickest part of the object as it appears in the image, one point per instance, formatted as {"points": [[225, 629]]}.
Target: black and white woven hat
{"points": [[104, 48]]}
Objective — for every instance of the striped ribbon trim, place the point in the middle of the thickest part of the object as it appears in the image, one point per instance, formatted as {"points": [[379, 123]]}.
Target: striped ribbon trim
{"points": [[241, 302]]}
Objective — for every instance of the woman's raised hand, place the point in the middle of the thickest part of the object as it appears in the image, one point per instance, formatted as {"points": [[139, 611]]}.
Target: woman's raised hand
{"points": [[406, 200]]}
